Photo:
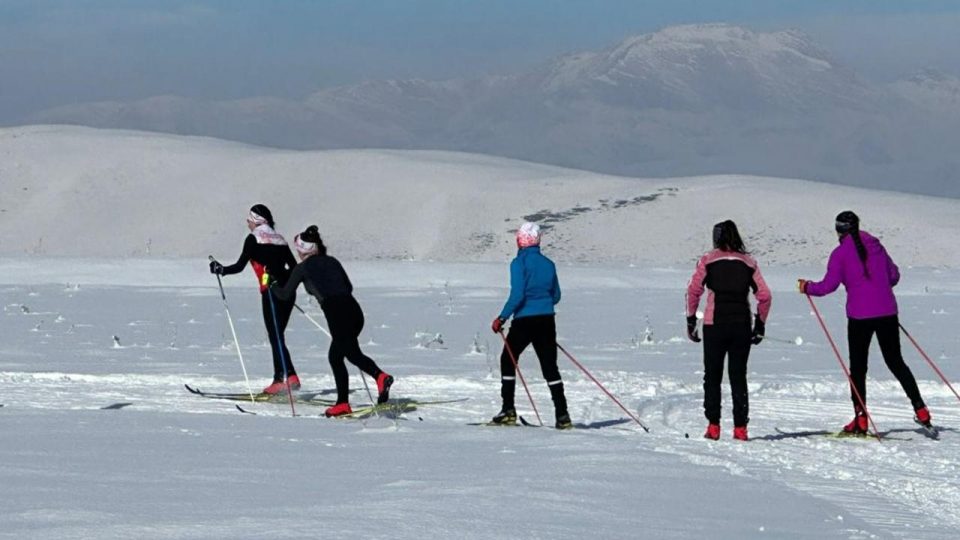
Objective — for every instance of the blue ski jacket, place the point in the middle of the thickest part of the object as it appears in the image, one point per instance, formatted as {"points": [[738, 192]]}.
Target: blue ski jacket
{"points": [[534, 287]]}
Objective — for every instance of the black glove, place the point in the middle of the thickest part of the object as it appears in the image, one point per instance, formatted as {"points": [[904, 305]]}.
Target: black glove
{"points": [[216, 268], [758, 330], [692, 329]]}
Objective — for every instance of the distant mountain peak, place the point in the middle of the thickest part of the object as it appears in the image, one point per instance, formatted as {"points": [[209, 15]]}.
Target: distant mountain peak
{"points": [[704, 65]]}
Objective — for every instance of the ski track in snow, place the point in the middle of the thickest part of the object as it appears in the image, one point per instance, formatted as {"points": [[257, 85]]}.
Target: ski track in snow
{"points": [[59, 356]]}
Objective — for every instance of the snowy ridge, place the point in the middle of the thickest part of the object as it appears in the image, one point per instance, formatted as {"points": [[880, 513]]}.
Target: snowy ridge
{"points": [[81, 192]]}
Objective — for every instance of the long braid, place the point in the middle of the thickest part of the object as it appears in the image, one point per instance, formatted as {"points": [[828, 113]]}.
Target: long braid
{"points": [[861, 251]]}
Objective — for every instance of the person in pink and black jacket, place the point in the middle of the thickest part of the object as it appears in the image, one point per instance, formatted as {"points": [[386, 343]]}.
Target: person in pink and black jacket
{"points": [[869, 275], [728, 274]]}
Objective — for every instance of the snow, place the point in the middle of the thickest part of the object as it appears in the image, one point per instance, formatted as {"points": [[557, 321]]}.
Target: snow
{"points": [[174, 465]]}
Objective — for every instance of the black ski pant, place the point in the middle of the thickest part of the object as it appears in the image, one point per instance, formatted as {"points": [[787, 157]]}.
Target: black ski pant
{"points": [[729, 341], [345, 319], [859, 334], [541, 331], [278, 345]]}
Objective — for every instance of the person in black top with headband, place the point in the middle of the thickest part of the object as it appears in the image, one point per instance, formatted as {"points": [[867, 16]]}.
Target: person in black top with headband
{"points": [[324, 277], [270, 257]]}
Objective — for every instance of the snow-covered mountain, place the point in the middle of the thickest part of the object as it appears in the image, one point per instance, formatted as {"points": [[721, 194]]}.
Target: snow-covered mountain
{"points": [[70, 191], [701, 67], [687, 100]]}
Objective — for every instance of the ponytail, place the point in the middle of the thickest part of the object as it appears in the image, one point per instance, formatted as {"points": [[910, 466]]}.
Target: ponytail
{"points": [[848, 223], [861, 251]]}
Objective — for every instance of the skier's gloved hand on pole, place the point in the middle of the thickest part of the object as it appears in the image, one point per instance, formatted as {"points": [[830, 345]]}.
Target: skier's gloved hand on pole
{"points": [[692, 329], [758, 331], [497, 325], [216, 268], [802, 286]]}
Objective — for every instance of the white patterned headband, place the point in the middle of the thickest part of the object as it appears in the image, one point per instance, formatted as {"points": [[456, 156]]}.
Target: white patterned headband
{"points": [[256, 218]]}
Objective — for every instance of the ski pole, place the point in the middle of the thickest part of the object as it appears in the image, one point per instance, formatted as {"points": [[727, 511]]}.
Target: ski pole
{"points": [[797, 341], [234, 332], [283, 359], [605, 391], [929, 361], [325, 331], [516, 367], [856, 393]]}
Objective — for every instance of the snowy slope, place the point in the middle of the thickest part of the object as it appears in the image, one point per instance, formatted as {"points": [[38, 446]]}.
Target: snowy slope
{"points": [[67, 191]]}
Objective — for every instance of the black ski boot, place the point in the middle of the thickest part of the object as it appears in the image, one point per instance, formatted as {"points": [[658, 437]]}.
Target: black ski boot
{"points": [[506, 417], [560, 406]]}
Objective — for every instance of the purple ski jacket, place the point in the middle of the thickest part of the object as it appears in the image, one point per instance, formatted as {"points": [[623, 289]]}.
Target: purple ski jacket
{"points": [[867, 297]]}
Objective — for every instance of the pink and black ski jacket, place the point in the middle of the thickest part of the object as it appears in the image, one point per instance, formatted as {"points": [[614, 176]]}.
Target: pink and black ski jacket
{"points": [[728, 277]]}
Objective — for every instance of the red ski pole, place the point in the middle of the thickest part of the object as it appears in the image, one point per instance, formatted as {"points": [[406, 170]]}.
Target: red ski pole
{"points": [[605, 391], [516, 367], [856, 393], [929, 361]]}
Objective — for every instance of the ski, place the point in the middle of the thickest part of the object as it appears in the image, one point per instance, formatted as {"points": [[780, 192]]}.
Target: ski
{"points": [[526, 423], [300, 397], [494, 424], [838, 435], [398, 407], [928, 430], [601, 424]]}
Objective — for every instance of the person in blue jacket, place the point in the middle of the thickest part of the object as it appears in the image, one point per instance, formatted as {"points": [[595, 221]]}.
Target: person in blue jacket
{"points": [[534, 290]]}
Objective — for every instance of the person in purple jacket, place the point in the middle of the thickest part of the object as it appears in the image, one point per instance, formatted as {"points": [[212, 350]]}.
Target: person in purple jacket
{"points": [[868, 273]]}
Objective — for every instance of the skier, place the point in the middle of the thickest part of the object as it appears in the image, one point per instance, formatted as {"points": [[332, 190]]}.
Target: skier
{"points": [[534, 290], [271, 259], [730, 274], [868, 274], [324, 277]]}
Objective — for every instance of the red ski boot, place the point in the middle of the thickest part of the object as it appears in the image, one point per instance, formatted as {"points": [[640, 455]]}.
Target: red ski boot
{"points": [[740, 433], [294, 382], [339, 409], [384, 382], [857, 426], [923, 417], [713, 432], [275, 388]]}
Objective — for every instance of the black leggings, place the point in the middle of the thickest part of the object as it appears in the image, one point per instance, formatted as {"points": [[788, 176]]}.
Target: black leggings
{"points": [[541, 331], [277, 344], [720, 341], [859, 333], [345, 319]]}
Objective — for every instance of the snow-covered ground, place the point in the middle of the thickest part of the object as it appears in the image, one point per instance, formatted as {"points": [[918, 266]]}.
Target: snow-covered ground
{"points": [[169, 464]]}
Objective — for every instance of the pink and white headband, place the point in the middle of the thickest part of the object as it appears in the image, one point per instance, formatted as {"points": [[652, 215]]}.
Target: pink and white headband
{"points": [[256, 218]]}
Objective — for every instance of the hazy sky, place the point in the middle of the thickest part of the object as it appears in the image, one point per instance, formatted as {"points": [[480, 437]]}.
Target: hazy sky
{"points": [[60, 52]]}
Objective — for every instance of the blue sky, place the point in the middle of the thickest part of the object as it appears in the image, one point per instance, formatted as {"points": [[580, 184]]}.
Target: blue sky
{"points": [[60, 52]]}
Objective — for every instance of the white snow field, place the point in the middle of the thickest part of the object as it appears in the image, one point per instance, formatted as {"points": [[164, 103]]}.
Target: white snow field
{"points": [[108, 310], [101, 440]]}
